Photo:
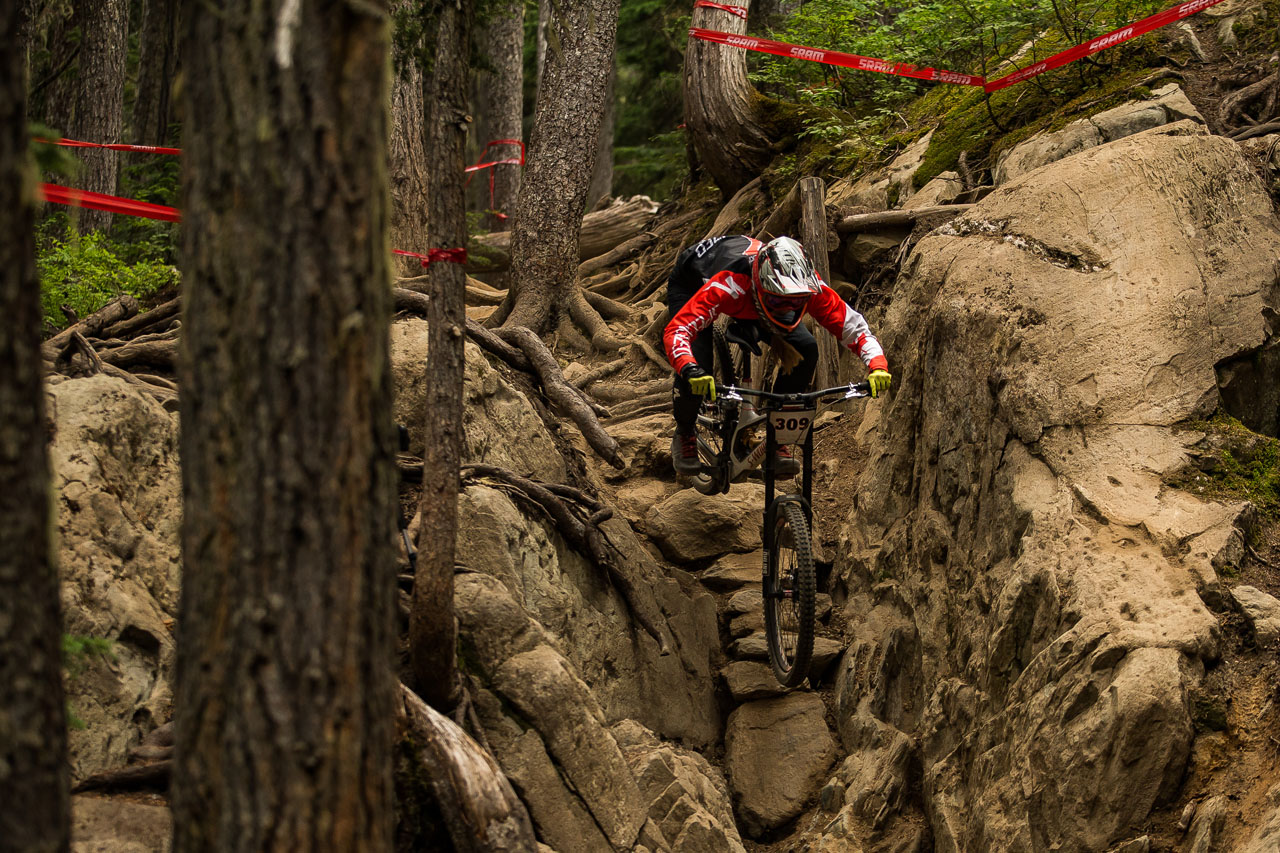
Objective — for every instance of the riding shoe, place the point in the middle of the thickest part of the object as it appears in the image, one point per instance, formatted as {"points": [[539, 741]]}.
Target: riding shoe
{"points": [[684, 453], [784, 464]]}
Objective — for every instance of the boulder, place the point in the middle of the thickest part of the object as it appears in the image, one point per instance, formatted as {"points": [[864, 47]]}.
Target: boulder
{"points": [[114, 461], [1205, 835], [748, 680], [119, 825], [1165, 106], [943, 189], [732, 572], [885, 187], [690, 527], [1015, 539], [777, 752], [1261, 611], [689, 801], [645, 447], [500, 425]]}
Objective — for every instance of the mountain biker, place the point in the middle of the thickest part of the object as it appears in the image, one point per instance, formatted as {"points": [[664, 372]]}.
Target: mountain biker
{"points": [[773, 284]]}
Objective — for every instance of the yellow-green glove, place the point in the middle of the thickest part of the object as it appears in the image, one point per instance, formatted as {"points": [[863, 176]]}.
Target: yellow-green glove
{"points": [[879, 381], [700, 382]]}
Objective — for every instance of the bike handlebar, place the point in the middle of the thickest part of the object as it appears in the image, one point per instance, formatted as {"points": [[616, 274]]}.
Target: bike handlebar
{"points": [[852, 391]]}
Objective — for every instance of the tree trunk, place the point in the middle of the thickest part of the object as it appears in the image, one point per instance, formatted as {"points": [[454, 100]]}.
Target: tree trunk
{"points": [[540, 49], [814, 237], [562, 147], [157, 64], [33, 737], [502, 106], [721, 107], [407, 154], [602, 175], [99, 106], [432, 633], [285, 683]]}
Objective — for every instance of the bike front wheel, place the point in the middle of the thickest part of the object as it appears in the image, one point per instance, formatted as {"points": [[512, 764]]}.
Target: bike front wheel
{"points": [[790, 589]]}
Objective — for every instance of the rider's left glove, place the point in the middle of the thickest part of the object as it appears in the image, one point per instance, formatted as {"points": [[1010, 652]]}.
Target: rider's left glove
{"points": [[879, 381], [702, 383]]}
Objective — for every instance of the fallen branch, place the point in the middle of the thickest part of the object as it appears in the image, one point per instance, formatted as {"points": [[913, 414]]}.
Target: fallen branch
{"points": [[113, 312], [561, 393], [890, 218], [479, 807], [161, 353], [131, 778], [145, 322], [583, 536]]}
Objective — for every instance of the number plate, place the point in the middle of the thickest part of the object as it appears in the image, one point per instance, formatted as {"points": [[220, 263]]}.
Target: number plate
{"points": [[791, 427]]}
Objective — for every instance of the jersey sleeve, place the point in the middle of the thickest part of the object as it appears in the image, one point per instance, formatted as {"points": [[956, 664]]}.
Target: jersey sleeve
{"points": [[714, 298], [838, 317]]}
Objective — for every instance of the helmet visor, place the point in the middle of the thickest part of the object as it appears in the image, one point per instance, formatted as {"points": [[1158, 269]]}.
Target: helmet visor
{"points": [[780, 305]]}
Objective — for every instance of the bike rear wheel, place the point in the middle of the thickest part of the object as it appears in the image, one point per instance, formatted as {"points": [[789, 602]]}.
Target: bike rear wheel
{"points": [[790, 589]]}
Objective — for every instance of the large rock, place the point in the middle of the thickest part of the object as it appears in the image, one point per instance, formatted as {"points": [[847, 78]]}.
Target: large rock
{"points": [[1165, 106], [690, 527], [1266, 839], [576, 603], [1261, 611], [776, 752], [114, 458], [1018, 530], [500, 425], [118, 825], [689, 801]]}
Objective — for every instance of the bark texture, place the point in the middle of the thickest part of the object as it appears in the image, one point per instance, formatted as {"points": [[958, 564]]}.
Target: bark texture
{"points": [[502, 106], [580, 46], [602, 175], [285, 686], [721, 107], [814, 237], [157, 65], [432, 632], [99, 105], [33, 742], [407, 156]]}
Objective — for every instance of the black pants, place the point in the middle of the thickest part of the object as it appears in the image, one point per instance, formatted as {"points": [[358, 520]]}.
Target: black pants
{"points": [[680, 289]]}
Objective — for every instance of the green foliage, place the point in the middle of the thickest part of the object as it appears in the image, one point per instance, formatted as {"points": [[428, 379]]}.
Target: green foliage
{"points": [[78, 651], [1236, 464], [87, 271]]}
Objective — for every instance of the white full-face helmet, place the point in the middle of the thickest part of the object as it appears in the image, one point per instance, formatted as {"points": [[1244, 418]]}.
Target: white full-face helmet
{"points": [[783, 282]]}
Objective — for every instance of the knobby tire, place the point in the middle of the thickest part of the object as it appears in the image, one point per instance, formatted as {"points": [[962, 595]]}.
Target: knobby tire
{"points": [[788, 621]]}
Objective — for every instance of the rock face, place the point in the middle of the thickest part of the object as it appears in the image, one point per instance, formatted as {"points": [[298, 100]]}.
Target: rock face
{"points": [[777, 752], [114, 458], [1014, 551], [1167, 104], [500, 425], [115, 825]]}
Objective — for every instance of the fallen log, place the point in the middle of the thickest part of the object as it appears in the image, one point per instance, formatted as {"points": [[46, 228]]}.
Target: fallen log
{"points": [[480, 809], [602, 230], [889, 218], [113, 312], [146, 321], [160, 353], [617, 255]]}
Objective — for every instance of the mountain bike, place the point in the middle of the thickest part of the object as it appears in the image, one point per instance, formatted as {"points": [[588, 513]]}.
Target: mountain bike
{"points": [[731, 448]]}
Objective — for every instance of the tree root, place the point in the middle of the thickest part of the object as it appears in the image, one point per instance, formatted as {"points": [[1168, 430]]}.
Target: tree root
{"points": [[147, 322], [583, 535], [660, 399], [586, 316], [137, 776], [616, 394], [161, 353], [1231, 110], [608, 308], [121, 308], [561, 393], [599, 373], [634, 414], [480, 809]]}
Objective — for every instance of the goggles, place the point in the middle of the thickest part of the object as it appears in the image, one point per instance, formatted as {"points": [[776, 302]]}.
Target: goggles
{"points": [[784, 304]]}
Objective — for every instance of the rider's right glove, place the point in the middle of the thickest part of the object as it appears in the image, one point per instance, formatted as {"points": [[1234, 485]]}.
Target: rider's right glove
{"points": [[879, 381], [702, 383]]}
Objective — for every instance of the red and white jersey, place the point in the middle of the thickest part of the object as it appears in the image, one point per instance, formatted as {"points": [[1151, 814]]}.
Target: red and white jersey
{"points": [[730, 293]]}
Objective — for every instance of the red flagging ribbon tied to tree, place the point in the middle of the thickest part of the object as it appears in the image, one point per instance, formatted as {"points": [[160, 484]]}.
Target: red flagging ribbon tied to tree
{"points": [[490, 164], [835, 57], [447, 256], [740, 11], [132, 207], [110, 203], [1111, 39], [114, 146]]}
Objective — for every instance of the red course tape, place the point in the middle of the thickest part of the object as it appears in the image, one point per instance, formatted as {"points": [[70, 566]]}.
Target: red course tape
{"points": [[833, 57], [144, 149], [740, 11], [1111, 39], [448, 256]]}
